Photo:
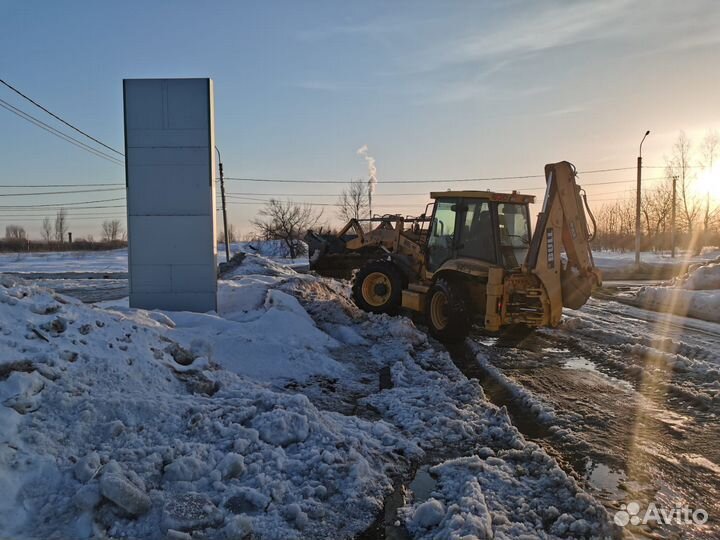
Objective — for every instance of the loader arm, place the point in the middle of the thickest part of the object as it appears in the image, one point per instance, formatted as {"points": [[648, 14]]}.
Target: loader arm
{"points": [[562, 225]]}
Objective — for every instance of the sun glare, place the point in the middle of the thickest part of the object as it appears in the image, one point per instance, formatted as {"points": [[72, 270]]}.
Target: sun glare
{"points": [[709, 183]]}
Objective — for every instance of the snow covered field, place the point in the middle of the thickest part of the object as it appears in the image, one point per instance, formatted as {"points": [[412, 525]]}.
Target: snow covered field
{"points": [[617, 265], [115, 261], [288, 414], [60, 262]]}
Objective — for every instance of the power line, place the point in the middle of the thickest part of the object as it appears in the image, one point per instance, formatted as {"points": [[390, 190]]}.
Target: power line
{"points": [[433, 181], [33, 186], [57, 192], [72, 140], [62, 205], [18, 92], [380, 194], [35, 219], [21, 208]]}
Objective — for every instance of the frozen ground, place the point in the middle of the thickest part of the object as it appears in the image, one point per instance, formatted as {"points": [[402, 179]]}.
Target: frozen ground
{"points": [[627, 401], [288, 414]]}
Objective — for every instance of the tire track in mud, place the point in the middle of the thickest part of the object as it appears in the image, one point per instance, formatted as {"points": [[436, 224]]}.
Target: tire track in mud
{"points": [[623, 419]]}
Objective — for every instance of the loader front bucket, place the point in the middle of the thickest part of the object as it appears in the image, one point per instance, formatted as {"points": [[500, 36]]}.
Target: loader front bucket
{"points": [[329, 256]]}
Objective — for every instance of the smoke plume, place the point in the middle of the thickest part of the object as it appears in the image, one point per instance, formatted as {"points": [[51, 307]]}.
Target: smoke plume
{"points": [[372, 170]]}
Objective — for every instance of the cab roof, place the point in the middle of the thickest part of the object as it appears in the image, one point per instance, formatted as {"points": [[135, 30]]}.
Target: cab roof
{"points": [[513, 197]]}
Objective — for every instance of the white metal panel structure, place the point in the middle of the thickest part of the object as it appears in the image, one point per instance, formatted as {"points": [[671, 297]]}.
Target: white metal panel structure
{"points": [[170, 164]]}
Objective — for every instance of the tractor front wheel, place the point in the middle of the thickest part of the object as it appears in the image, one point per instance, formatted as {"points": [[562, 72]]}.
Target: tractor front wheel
{"points": [[377, 287], [446, 311]]}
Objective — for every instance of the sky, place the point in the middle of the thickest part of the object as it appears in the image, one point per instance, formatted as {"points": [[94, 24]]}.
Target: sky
{"points": [[436, 90]]}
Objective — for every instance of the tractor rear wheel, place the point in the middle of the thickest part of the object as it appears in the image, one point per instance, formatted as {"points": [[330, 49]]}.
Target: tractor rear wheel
{"points": [[446, 311], [377, 287]]}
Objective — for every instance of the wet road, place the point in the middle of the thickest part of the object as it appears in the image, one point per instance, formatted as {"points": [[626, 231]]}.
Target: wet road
{"points": [[628, 401]]}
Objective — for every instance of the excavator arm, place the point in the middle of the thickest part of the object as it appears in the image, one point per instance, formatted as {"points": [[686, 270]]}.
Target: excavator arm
{"points": [[562, 225]]}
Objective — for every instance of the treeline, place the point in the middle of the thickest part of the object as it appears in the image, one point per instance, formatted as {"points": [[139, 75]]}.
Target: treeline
{"points": [[697, 212], [56, 236], [82, 244]]}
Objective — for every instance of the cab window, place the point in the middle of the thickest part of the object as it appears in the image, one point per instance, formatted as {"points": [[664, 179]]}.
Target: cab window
{"points": [[477, 239], [514, 227], [442, 235]]}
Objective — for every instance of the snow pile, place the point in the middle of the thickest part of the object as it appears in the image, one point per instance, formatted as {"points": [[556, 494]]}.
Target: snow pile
{"points": [[696, 294], [272, 248], [109, 427], [515, 494], [286, 415], [257, 265]]}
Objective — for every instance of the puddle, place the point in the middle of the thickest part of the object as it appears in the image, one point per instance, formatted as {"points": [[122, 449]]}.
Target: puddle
{"points": [[583, 364], [603, 478], [388, 526], [422, 485]]}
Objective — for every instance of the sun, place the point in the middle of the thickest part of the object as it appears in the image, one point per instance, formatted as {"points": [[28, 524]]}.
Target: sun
{"points": [[708, 182]]}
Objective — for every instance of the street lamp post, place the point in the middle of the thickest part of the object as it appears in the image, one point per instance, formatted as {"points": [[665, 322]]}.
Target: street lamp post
{"points": [[637, 202]]}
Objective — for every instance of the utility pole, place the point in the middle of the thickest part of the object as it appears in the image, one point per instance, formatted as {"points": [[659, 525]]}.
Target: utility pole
{"points": [[224, 211], [672, 218], [370, 192], [638, 232]]}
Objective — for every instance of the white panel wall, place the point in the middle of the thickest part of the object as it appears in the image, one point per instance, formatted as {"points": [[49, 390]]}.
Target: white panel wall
{"points": [[170, 164]]}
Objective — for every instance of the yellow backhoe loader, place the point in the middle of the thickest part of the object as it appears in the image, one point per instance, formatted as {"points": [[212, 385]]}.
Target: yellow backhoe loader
{"points": [[471, 257]]}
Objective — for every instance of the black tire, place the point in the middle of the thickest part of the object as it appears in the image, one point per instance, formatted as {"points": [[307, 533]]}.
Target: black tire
{"points": [[446, 311], [377, 287]]}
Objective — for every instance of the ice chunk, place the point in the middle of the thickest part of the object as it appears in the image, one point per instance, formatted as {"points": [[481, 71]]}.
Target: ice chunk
{"points": [[186, 468], [86, 467], [232, 465], [282, 428], [428, 514], [127, 496]]}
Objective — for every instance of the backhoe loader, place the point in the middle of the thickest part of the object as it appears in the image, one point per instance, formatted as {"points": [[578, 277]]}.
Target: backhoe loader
{"points": [[471, 257]]}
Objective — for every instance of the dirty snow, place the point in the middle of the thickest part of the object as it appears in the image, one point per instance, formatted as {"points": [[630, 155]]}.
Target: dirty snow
{"points": [[265, 419]]}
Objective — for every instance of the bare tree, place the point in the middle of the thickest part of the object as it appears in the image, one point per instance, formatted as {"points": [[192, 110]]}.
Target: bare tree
{"points": [[286, 221], [710, 149], [233, 235], [354, 202], [15, 232], [47, 230], [61, 225], [679, 165], [111, 230]]}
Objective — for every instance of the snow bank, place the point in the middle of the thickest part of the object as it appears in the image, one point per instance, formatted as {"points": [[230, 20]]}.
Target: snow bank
{"points": [[109, 427], [268, 419], [695, 294]]}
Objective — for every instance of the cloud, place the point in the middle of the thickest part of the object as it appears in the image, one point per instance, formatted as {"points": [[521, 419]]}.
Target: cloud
{"points": [[530, 32]]}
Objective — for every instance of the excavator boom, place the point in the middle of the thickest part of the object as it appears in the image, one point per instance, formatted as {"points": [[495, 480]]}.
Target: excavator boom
{"points": [[562, 224]]}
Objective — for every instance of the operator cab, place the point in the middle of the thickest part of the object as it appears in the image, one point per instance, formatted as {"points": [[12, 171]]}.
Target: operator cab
{"points": [[482, 225]]}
